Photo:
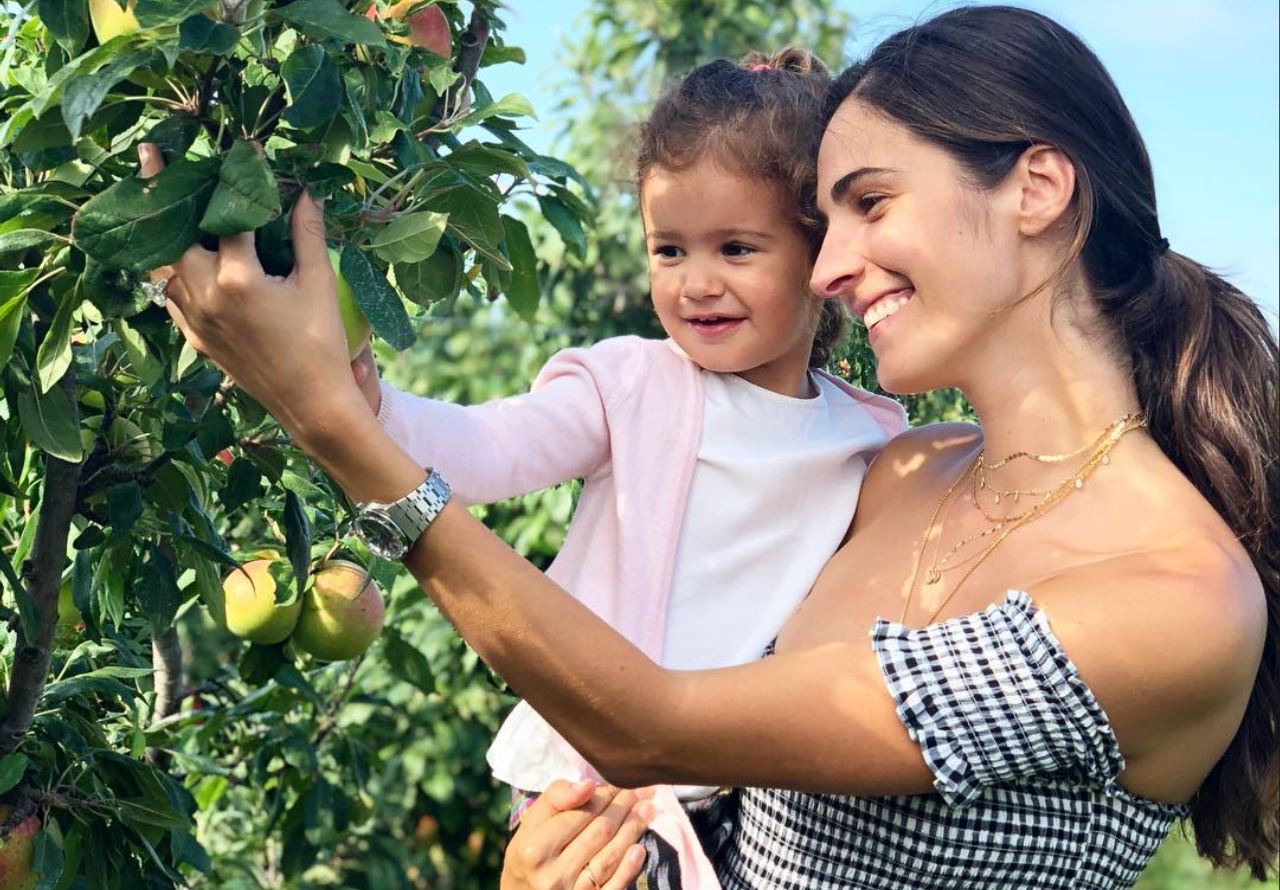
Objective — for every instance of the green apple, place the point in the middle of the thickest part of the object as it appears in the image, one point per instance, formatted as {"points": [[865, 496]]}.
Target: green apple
{"points": [[354, 323], [251, 607], [342, 612]]}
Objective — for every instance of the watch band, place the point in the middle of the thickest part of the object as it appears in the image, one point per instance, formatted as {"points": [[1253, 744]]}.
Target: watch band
{"points": [[408, 516], [419, 508]]}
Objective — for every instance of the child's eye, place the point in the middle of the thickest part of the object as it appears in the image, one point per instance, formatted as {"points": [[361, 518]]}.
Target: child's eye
{"points": [[667, 251], [734, 249]]}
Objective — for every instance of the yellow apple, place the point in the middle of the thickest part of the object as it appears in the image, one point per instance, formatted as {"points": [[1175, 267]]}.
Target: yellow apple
{"points": [[342, 613], [354, 323], [110, 19], [252, 610]]}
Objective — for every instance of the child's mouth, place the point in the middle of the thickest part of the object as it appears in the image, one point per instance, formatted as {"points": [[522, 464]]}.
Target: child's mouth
{"points": [[714, 325]]}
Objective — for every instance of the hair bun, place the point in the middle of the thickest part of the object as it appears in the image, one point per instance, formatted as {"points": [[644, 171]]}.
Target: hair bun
{"points": [[792, 59]]}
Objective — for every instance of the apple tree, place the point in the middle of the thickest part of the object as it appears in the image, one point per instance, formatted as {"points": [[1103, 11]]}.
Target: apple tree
{"points": [[167, 718]]}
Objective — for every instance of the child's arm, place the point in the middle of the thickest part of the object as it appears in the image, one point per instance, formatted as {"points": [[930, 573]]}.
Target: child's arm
{"points": [[508, 447]]}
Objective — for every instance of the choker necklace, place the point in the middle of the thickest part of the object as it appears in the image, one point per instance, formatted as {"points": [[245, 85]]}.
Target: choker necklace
{"points": [[1002, 527]]}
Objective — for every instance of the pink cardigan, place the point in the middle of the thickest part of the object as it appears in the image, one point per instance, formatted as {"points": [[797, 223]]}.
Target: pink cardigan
{"points": [[626, 416]]}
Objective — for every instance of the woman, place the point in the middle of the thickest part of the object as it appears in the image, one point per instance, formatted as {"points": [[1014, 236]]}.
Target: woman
{"points": [[991, 217]]}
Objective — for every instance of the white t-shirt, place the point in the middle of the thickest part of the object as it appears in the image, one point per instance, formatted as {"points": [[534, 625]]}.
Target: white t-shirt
{"points": [[773, 492]]}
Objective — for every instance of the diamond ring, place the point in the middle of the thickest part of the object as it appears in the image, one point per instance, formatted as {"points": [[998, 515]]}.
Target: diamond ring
{"points": [[155, 291]]}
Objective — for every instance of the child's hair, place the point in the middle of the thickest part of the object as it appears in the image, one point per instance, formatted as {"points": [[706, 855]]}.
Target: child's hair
{"points": [[759, 118]]}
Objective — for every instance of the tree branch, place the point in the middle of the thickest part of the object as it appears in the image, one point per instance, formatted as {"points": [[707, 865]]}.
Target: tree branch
{"points": [[166, 672], [41, 575]]}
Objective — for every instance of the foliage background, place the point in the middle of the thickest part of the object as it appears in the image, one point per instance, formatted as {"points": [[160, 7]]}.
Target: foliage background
{"points": [[277, 773]]}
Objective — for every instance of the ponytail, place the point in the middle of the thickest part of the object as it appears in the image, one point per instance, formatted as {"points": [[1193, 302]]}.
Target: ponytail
{"points": [[1206, 366]]}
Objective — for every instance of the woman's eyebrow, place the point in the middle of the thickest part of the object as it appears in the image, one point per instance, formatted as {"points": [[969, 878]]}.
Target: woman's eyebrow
{"points": [[846, 182]]}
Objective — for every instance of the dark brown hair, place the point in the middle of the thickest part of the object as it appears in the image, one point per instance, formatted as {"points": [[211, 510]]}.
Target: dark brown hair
{"points": [[984, 84], [758, 118]]}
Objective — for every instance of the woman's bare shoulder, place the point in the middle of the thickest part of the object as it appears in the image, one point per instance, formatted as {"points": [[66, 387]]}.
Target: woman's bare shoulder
{"points": [[921, 456]]}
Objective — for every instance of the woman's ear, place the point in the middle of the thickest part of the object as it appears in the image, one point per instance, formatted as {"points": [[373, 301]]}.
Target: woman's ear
{"points": [[1047, 182]]}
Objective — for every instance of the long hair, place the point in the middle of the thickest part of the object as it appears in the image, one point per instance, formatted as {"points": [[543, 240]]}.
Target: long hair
{"points": [[985, 83], [758, 118]]}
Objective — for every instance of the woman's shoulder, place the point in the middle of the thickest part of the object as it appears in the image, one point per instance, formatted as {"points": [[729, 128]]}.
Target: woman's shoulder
{"points": [[919, 459]]}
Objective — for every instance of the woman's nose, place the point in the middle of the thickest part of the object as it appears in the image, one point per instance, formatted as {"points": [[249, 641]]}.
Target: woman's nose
{"points": [[838, 267]]}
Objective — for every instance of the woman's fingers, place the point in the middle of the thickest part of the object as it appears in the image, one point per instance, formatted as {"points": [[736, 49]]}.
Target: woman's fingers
{"points": [[593, 838], [150, 160], [618, 863], [628, 871], [310, 253]]}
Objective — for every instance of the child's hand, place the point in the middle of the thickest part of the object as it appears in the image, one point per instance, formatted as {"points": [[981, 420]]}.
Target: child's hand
{"points": [[365, 371]]}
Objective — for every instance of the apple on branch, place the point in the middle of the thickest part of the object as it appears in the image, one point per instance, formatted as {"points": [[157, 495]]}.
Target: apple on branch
{"points": [[428, 27]]}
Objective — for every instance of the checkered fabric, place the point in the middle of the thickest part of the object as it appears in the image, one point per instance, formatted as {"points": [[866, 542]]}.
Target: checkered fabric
{"points": [[1025, 767]]}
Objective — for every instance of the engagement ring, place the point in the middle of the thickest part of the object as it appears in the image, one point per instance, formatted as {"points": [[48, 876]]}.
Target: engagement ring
{"points": [[154, 291]]}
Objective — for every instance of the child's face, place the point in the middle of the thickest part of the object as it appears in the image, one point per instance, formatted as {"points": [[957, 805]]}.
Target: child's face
{"points": [[729, 274]]}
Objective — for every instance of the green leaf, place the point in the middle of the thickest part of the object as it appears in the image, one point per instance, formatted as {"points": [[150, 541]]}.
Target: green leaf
{"points": [[157, 590], [410, 238], [52, 423], [159, 13], [82, 96], [67, 21], [174, 135], [46, 860], [511, 105], [315, 87], [566, 223], [243, 484], [329, 18], [473, 216], [406, 662], [23, 239], [141, 361], [146, 223], [436, 278], [297, 538], [62, 690], [200, 33], [483, 160], [376, 298], [13, 303], [54, 356], [524, 291], [124, 506], [246, 196], [12, 767]]}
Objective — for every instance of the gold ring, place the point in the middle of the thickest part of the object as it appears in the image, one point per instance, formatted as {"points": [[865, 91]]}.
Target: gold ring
{"points": [[591, 876]]}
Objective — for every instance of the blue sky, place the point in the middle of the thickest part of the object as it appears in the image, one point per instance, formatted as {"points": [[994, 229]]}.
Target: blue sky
{"points": [[1200, 77]]}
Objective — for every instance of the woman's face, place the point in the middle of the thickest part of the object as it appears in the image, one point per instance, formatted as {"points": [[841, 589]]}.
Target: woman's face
{"points": [[919, 254]]}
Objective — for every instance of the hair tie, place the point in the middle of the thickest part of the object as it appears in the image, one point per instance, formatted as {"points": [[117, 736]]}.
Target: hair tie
{"points": [[761, 67], [1162, 246]]}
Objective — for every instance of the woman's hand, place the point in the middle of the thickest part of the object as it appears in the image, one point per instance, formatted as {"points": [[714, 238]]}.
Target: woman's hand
{"points": [[280, 339], [578, 837], [365, 371]]}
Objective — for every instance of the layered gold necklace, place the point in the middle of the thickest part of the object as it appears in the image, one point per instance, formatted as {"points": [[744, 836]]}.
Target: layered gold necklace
{"points": [[963, 553]]}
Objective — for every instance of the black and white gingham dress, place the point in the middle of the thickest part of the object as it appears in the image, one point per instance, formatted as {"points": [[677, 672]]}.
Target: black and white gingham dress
{"points": [[1024, 762]]}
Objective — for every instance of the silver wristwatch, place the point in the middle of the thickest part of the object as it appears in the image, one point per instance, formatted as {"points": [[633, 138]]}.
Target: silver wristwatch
{"points": [[389, 530]]}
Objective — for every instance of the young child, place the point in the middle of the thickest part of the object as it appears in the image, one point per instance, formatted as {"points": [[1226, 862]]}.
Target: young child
{"points": [[721, 466]]}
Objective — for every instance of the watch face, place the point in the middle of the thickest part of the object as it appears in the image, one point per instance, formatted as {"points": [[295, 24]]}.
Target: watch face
{"points": [[381, 535]]}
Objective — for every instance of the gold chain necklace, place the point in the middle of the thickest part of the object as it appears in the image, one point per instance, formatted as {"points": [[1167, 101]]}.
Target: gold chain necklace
{"points": [[1057, 458], [1100, 457]]}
